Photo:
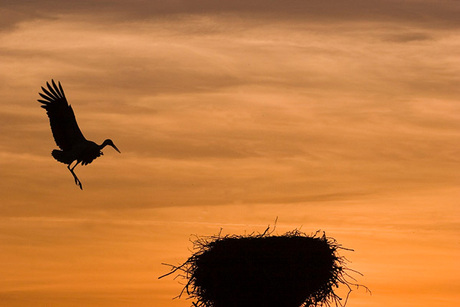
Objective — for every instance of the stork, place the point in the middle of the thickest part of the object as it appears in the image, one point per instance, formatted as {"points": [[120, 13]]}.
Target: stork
{"points": [[67, 135]]}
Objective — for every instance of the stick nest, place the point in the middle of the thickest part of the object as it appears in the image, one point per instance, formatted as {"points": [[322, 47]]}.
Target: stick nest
{"points": [[290, 270]]}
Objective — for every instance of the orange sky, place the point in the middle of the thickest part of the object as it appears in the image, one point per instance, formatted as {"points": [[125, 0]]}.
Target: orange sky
{"points": [[335, 115]]}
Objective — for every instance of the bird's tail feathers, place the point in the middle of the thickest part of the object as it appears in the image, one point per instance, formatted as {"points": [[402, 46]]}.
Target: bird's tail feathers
{"points": [[62, 156]]}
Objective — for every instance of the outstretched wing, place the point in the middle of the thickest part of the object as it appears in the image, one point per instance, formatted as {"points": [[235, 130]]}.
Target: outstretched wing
{"points": [[63, 124]]}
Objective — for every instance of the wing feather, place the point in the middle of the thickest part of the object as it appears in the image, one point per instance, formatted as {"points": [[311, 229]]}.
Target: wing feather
{"points": [[53, 88], [47, 98], [63, 123], [47, 93]]}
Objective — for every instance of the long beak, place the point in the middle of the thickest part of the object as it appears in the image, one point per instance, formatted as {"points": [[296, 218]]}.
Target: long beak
{"points": [[115, 147]]}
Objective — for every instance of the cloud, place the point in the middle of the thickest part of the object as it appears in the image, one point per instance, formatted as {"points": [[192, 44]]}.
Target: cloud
{"points": [[409, 37], [428, 12]]}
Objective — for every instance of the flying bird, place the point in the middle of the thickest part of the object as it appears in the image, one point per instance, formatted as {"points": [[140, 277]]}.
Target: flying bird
{"points": [[74, 146]]}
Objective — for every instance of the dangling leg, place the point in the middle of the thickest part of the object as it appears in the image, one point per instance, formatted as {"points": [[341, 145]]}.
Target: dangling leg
{"points": [[77, 181]]}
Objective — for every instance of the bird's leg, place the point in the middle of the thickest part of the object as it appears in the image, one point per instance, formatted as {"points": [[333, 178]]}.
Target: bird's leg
{"points": [[77, 181]]}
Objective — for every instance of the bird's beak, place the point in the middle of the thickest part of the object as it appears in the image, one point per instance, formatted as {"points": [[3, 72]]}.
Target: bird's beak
{"points": [[115, 147]]}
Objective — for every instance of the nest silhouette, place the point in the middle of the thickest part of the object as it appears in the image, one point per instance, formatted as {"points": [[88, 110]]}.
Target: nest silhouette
{"points": [[290, 270]]}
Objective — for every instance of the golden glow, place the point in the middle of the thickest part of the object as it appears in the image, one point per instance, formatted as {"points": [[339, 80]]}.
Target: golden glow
{"points": [[344, 119]]}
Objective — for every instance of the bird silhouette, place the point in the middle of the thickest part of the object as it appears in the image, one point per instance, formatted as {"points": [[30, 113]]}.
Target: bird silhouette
{"points": [[67, 135]]}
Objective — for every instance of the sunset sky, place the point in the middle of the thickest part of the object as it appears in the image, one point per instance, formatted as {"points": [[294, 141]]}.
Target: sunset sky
{"points": [[342, 116]]}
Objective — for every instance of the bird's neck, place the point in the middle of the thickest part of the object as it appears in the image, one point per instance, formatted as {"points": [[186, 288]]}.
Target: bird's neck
{"points": [[102, 145], [105, 143]]}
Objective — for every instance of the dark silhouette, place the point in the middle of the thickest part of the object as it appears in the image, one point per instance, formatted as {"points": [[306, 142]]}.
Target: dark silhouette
{"points": [[291, 270], [74, 146]]}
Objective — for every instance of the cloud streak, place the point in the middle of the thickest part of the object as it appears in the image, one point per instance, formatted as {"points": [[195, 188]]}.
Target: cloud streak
{"points": [[438, 13]]}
